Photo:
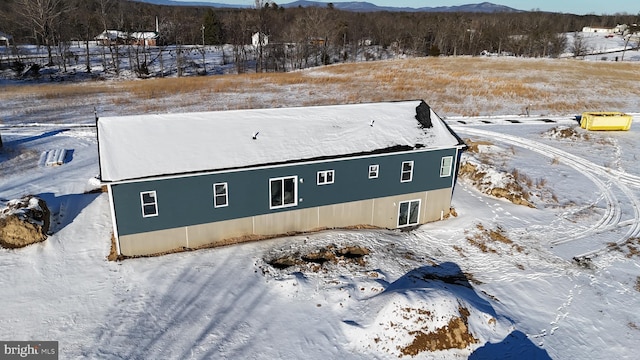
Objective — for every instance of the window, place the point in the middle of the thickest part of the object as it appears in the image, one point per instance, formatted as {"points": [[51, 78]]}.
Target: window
{"points": [[373, 171], [283, 192], [149, 202], [220, 195], [408, 213], [407, 171], [325, 177], [445, 166]]}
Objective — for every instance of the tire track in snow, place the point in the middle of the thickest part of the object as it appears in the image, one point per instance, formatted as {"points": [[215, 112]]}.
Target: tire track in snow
{"points": [[611, 211], [604, 178]]}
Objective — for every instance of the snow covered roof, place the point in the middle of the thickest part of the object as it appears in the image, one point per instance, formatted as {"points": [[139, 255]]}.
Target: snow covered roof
{"points": [[141, 146], [117, 34], [144, 35], [111, 35]]}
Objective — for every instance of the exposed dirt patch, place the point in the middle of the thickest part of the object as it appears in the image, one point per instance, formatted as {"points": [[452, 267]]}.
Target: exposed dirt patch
{"points": [[24, 222], [509, 187], [452, 213], [578, 134], [454, 335], [566, 132], [316, 258], [113, 252]]}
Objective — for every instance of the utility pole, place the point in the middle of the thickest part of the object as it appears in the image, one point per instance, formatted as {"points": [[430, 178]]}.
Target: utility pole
{"points": [[204, 62]]}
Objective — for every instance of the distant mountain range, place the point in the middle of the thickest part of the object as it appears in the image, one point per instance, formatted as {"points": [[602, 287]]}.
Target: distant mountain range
{"points": [[357, 6]]}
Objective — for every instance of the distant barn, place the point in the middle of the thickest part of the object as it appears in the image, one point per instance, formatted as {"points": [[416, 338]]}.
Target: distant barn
{"points": [[117, 37]]}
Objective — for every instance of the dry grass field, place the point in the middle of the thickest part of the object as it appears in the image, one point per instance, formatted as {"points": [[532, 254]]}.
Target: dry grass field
{"points": [[460, 86]]}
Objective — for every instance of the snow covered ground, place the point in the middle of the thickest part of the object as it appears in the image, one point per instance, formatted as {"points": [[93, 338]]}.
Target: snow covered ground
{"points": [[607, 47], [558, 280]]}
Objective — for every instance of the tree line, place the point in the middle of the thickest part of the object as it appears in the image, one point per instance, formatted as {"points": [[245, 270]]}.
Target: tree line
{"points": [[302, 36]]}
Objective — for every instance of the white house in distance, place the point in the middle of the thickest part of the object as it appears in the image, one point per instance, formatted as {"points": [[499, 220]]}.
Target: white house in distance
{"points": [[596, 29], [146, 38], [619, 29], [259, 39], [108, 37], [5, 38]]}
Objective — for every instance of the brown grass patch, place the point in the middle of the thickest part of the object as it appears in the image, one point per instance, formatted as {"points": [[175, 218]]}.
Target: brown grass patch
{"points": [[113, 252], [449, 84], [632, 245], [473, 145], [522, 178], [481, 244], [452, 213], [637, 287], [56, 91], [459, 250], [485, 239], [630, 248]]}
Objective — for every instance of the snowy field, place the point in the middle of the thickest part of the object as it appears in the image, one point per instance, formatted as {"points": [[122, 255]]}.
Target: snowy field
{"points": [[560, 279]]}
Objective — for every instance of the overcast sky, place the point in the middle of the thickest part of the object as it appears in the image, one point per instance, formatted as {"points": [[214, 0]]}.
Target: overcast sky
{"points": [[598, 7]]}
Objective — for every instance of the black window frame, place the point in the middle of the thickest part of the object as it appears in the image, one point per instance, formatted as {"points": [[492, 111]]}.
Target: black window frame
{"points": [[325, 177]]}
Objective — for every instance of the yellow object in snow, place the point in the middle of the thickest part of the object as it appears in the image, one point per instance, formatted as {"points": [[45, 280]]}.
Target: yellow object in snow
{"points": [[605, 120]]}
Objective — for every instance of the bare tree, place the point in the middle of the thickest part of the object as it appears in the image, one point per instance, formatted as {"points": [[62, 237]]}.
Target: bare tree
{"points": [[579, 47], [44, 16], [557, 45], [260, 27], [237, 26], [83, 26], [633, 29], [105, 12]]}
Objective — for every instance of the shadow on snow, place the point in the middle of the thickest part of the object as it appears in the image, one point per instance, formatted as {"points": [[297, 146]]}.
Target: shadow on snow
{"points": [[516, 346], [65, 208], [448, 276]]}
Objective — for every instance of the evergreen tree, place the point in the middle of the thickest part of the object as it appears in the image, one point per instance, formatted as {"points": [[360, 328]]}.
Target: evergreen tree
{"points": [[212, 28]]}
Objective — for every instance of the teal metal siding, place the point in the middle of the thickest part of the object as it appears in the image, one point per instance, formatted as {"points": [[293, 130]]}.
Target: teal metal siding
{"points": [[185, 201]]}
